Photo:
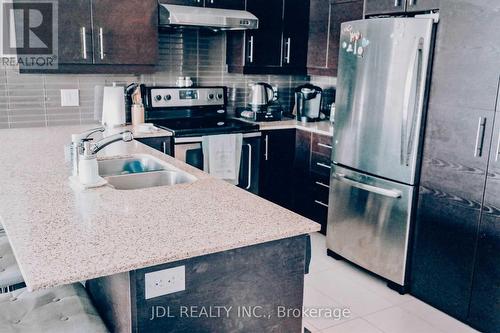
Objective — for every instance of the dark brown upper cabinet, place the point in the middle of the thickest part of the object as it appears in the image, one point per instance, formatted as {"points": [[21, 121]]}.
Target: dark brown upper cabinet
{"points": [[421, 5], [295, 26], [325, 19], [226, 4], [380, 7], [280, 43], [223, 4], [127, 37], [106, 36], [75, 39], [196, 3]]}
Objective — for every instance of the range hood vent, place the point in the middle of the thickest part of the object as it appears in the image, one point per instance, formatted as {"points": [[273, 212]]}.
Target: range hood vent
{"points": [[212, 18]]}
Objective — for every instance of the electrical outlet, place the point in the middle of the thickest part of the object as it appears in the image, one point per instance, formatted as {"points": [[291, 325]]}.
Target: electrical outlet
{"points": [[70, 97], [164, 282]]}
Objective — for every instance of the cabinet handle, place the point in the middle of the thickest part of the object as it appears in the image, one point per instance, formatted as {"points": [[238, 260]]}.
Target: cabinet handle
{"points": [[324, 145], [397, 3], [249, 167], [164, 147], [84, 42], [321, 203], [323, 165], [250, 52], [101, 42], [411, 2], [266, 150], [287, 56], [498, 148], [321, 184], [481, 126]]}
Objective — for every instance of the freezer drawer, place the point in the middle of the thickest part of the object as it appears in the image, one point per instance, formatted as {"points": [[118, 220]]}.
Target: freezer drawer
{"points": [[369, 222]]}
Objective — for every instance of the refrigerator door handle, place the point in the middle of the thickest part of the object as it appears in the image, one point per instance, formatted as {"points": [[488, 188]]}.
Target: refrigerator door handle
{"points": [[407, 138], [374, 189]]}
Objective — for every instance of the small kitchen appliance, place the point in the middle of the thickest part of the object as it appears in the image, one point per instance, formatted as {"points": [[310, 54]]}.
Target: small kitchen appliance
{"points": [[308, 103], [261, 95], [263, 104], [196, 112]]}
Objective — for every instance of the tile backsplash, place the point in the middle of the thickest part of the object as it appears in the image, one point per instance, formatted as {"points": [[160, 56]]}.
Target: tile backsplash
{"points": [[28, 100]]}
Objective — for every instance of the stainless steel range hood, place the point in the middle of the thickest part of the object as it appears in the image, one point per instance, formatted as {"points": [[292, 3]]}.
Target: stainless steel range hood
{"points": [[213, 18]]}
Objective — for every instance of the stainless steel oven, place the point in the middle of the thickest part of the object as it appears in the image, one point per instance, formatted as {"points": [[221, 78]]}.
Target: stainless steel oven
{"points": [[190, 151]]}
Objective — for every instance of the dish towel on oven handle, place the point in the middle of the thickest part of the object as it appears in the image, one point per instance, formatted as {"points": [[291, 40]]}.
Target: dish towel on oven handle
{"points": [[222, 156]]}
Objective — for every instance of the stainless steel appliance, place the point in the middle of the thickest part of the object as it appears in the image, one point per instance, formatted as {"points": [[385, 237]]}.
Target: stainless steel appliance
{"points": [[380, 109], [213, 18], [190, 114], [261, 95], [308, 102]]}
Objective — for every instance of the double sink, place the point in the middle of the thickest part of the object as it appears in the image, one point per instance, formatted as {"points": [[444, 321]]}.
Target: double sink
{"points": [[141, 171]]}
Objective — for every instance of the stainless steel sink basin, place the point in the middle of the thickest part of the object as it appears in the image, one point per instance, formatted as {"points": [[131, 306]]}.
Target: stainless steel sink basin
{"points": [[149, 179], [129, 165], [141, 171]]}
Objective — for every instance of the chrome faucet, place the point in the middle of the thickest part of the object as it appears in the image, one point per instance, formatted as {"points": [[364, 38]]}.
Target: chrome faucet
{"points": [[77, 141], [92, 149]]}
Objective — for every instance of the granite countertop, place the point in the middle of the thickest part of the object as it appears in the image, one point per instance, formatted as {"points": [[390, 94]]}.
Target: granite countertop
{"points": [[324, 127], [61, 235], [138, 134]]}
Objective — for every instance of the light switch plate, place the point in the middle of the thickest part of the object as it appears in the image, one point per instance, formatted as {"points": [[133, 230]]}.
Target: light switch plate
{"points": [[70, 97], [164, 282]]}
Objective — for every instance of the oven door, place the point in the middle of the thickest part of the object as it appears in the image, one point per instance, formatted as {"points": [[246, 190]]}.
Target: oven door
{"points": [[190, 151]]}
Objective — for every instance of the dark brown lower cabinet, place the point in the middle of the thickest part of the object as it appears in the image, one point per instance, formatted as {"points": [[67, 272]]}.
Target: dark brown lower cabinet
{"points": [[276, 168], [163, 144], [295, 172]]}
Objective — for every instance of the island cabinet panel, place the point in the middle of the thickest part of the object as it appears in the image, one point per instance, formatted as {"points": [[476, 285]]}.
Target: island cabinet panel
{"points": [[276, 169], [163, 144], [325, 19], [254, 284], [278, 46]]}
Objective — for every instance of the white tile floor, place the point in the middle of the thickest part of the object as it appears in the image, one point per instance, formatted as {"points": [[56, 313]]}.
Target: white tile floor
{"points": [[374, 308]]}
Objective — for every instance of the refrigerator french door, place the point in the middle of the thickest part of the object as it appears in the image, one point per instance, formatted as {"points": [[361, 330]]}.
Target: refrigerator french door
{"points": [[381, 102]]}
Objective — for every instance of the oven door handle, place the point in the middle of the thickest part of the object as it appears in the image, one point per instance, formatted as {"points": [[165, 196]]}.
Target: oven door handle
{"points": [[249, 166]]}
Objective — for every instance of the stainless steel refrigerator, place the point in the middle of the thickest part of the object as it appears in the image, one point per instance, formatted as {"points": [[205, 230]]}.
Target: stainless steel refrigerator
{"points": [[381, 100]]}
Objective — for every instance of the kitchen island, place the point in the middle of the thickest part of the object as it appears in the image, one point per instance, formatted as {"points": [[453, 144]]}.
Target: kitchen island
{"points": [[61, 234]]}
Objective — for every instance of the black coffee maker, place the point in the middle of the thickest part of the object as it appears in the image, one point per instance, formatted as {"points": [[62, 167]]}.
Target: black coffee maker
{"points": [[308, 100]]}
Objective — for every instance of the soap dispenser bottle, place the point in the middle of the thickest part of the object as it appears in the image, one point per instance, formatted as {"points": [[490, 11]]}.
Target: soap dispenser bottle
{"points": [[88, 172]]}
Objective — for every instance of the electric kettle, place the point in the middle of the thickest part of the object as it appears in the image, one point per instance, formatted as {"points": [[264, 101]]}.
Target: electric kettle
{"points": [[261, 94]]}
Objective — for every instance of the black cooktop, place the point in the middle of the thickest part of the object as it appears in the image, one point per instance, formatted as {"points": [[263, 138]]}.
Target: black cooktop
{"points": [[204, 126]]}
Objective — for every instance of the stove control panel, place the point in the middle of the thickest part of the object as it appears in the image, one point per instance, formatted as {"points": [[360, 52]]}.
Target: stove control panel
{"points": [[186, 97]]}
